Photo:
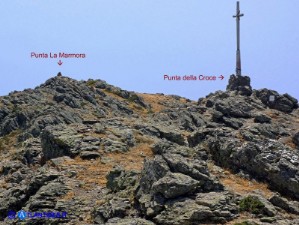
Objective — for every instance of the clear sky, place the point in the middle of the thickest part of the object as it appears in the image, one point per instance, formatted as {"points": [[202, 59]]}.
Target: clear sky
{"points": [[134, 43]]}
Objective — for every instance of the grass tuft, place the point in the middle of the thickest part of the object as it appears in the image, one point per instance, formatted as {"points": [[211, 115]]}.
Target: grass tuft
{"points": [[251, 204]]}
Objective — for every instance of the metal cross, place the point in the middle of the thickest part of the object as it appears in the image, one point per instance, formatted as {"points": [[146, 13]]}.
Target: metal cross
{"points": [[238, 62]]}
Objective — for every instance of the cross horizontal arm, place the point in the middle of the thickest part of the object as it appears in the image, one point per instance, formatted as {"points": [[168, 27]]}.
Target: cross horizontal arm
{"points": [[238, 15]]}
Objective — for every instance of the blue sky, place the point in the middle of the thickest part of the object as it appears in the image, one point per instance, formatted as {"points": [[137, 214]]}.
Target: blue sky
{"points": [[133, 43]]}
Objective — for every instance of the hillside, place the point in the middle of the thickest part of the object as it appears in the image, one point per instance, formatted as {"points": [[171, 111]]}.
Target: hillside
{"points": [[104, 155]]}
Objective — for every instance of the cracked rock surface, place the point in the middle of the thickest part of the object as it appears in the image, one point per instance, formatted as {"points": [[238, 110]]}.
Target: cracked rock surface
{"points": [[105, 155]]}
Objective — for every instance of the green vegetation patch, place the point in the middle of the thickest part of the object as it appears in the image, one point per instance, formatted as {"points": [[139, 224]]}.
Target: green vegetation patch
{"points": [[133, 98], [91, 82], [251, 204], [9, 139]]}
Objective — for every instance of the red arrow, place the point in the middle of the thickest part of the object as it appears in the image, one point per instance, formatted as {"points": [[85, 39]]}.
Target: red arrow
{"points": [[60, 63], [221, 77]]}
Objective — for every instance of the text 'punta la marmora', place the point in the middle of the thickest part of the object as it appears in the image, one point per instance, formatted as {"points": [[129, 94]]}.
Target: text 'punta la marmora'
{"points": [[57, 55]]}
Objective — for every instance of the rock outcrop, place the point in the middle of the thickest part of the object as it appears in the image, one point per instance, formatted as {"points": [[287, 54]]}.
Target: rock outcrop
{"points": [[239, 83], [104, 155]]}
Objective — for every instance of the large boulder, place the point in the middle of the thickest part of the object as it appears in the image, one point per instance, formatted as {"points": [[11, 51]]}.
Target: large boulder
{"points": [[262, 118], [234, 107], [195, 168], [281, 202], [32, 151], [119, 179], [241, 84], [17, 197], [59, 141], [232, 122], [284, 103], [45, 198], [153, 170], [115, 207], [175, 173], [175, 184], [215, 207], [296, 139], [265, 159]]}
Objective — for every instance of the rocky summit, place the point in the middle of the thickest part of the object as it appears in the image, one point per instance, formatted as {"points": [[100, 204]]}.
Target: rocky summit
{"points": [[86, 152]]}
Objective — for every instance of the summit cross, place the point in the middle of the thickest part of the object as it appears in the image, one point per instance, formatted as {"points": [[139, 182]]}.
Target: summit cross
{"points": [[238, 61]]}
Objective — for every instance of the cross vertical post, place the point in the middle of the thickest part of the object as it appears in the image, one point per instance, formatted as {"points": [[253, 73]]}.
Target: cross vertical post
{"points": [[238, 60]]}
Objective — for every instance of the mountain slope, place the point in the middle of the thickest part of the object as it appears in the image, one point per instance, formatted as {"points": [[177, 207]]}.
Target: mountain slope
{"points": [[109, 156]]}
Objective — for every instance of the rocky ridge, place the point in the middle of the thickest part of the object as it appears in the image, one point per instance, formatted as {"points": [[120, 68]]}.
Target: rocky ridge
{"points": [[109, 156]]}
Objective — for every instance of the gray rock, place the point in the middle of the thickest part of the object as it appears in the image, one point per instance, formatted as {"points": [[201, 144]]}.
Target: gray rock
{"points": [[3, 113], [198, 136], [119, 179], [217, 116], [213, 207], [91, 139], [265, 159], [87, 147], [186, 119], [9, 167], [262, 118], [164, 147], [128, 137], [46, 196], [116, 207], [90, 99], [249, 136], [296, 139], [129, 221], [61, 90], [66, 118], [59, 141], [32, 151], [211, 199], [271, 131], [232, 122], [101, 93], [16, 197], [89, 155], [68, 100], [172, 136], [289, 206], [101, 84], [221, 149], [197, 169], [284, 103], [234, 107], [69, 117], [241, 84], [153, 170], [210, 103], [114, 146], [173, 185], [292, 99], [183, 211], [8, 125], [99, 128], [267, 219], [222, 204], [59, 162], [192, 167], [147, 130], [268, 208]]}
